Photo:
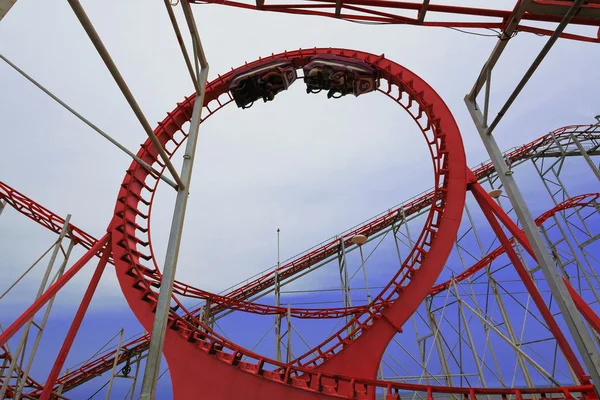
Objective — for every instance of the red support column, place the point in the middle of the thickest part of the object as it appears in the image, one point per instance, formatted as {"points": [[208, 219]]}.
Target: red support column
{"points": [[52, 290], [491, 205], [529, 283], [66, 347], [590, 316]]}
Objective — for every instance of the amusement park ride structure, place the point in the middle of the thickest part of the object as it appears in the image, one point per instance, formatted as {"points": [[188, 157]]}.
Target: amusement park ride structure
{"points": [[350, 362]]}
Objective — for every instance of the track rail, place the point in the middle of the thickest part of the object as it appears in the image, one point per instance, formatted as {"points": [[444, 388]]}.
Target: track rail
{"points": [[582, 200]]}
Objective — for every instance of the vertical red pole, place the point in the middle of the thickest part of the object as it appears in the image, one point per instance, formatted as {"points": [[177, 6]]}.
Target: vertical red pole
{"points": [[531, 288], [66, 347], [51, 291]]}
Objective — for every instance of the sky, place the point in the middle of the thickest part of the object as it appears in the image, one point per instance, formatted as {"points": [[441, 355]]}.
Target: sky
{"points": [[307, 165]]}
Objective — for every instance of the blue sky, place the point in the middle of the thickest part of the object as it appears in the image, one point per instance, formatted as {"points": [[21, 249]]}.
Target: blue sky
{"points": [[308, 166]]}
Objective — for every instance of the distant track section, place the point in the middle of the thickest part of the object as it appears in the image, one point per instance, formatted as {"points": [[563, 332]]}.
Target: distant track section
{"points": [[104, 362]]}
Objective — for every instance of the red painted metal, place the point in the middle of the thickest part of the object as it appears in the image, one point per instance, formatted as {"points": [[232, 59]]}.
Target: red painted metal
{"points": [[234, 298], [68, 342], [584, 308], [371, 11], [582, 200], [43, 216], [30, 384], [376, 325], [490, 210], [104, 362], [52, 290]]}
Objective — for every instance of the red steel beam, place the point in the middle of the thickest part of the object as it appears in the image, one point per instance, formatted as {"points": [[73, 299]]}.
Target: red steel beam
{"points": [[584, 308], [486, 204], [545, 11], [46, 218], [81, 311], [52, 290]]}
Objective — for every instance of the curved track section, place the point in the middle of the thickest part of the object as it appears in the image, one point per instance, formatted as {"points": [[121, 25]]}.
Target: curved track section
{"points": [[104, 362], [583, 200], [234, 298], [357, 354]]}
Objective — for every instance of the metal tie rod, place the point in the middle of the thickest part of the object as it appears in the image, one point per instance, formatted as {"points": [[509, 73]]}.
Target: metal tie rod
{"points": [[559, 29], [184, 52], [93, 35], [90, 124]]}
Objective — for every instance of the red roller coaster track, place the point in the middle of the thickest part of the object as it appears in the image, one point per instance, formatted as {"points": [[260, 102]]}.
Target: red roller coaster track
{"points": [[140, 344], [51, 221], [346, 363], [375, 326], [204, 364]]}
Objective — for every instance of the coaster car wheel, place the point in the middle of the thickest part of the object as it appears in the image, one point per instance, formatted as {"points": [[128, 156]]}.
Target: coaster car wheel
{"points": [[334, 94]]}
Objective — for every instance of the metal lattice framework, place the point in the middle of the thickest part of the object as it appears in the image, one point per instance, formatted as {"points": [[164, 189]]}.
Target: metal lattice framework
{"points": [[433, 285], [540, 149]]}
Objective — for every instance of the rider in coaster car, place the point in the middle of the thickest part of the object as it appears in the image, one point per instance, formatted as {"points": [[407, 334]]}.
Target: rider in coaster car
{"points": [[316, 79], [273, 83], [338, 84]]}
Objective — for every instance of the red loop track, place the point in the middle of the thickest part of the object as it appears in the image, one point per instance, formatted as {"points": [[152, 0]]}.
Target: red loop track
{"points": [[319, 372], [105, 361], [82, 374], [373, 327]]}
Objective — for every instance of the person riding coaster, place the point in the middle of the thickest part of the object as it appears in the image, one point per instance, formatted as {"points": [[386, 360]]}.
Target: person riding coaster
{"points": [[272, 83], [324, 78], [263, 81], [339, 84], [339, 76]]}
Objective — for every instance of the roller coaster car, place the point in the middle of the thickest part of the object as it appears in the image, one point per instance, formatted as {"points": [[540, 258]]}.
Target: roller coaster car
{"points": [[339, 76], [264, 81]]}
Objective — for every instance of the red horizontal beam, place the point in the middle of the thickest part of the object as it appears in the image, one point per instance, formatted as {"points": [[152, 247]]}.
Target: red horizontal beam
{"points": [[371, 11]]}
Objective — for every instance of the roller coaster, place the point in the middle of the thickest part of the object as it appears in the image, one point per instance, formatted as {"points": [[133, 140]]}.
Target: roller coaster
{"points": [[531, 334]]}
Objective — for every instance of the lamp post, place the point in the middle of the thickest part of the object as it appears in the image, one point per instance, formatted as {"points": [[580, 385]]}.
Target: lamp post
{"points": [[359, 240]]}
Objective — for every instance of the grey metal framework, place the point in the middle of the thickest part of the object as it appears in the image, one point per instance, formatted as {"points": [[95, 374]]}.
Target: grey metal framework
{"points": [[575, 324]]}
